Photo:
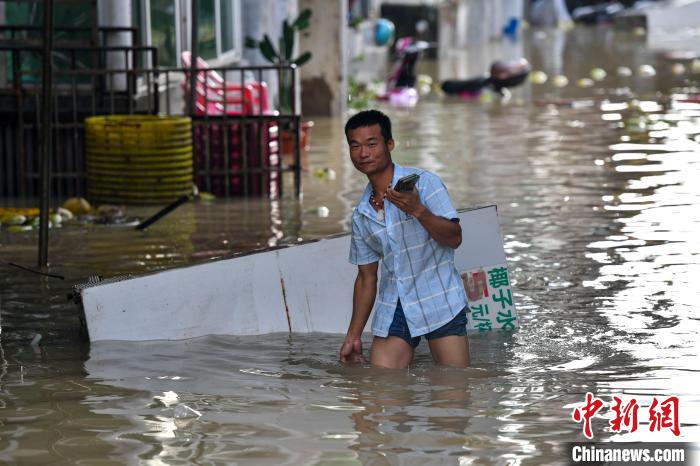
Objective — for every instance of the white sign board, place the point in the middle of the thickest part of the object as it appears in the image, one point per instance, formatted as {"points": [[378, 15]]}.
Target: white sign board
{"points": [[300, 288], [490, 299]]}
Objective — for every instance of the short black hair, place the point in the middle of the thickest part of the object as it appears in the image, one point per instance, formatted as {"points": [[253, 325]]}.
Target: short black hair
{"points": [[369, 118]]}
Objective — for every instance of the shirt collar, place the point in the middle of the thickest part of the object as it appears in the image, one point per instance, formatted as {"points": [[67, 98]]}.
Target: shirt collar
{"points": [[399, 172], [363, 207]]}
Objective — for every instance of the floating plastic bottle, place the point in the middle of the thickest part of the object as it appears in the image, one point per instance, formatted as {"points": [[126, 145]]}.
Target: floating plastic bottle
{"points": [[185, 412]]}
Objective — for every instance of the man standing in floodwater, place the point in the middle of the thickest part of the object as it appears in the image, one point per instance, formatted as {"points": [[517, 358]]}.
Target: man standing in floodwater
{"points": [[414, 234]]}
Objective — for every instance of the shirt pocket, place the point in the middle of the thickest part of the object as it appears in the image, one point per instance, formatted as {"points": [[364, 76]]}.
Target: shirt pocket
{"points": [[414, 232]]}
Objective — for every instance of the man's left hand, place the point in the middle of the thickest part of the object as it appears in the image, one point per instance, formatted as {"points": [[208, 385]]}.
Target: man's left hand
{"points": [[408, 202]]}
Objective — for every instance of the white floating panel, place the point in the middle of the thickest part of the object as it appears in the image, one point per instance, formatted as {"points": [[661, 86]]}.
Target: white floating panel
{"points": [[301, 288]]}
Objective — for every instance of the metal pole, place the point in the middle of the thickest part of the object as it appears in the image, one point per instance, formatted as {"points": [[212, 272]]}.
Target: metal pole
{"points": [[46, 85], [194, 34], [297, 136]]}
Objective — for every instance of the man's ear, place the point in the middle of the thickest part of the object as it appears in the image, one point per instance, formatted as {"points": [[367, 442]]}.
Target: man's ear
{"points": [[390, 145]]}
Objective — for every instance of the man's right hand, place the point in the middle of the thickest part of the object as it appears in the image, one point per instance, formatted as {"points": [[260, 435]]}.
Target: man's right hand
{"points": [[351, 351]]}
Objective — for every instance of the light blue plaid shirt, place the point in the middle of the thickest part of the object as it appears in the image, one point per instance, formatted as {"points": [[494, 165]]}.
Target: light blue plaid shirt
{"points": [[415, 268]]}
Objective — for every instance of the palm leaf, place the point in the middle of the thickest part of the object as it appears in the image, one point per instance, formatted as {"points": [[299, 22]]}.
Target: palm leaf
{"points": [[303, 58], [268, 50], [302, 21], [251, 43], [288, 40]]}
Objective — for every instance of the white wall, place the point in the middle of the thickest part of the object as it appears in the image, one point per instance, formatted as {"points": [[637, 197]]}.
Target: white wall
{"points": [[471, 36], [324, 78], [265, 17]]}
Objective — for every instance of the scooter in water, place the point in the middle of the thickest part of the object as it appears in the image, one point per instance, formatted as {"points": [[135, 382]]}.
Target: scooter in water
{"points": [[503, 74], [401, 83]]}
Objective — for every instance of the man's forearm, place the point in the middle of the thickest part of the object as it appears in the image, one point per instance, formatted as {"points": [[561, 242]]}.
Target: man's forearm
{"points": [[363, 297], [442, 230]]}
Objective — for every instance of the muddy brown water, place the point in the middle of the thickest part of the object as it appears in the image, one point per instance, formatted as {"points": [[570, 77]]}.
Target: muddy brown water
{"points": [[600, 207]]}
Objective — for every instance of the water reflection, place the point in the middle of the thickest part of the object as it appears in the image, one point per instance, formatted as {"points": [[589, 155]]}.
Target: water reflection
{"points": [[656, 257], [242, 387]]}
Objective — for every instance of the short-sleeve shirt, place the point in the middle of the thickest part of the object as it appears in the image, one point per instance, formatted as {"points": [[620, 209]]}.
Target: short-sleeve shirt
{"points": [[415, 268]]}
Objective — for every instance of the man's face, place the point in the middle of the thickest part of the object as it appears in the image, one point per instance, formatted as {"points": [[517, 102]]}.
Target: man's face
{"points": [[368, 151]]}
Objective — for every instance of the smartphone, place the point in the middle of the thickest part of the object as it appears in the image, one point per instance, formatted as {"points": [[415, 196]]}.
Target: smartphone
{"points": [[406, 184]]}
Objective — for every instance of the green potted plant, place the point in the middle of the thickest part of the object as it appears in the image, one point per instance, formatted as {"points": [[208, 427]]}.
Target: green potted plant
{"points": [[282, 55]]}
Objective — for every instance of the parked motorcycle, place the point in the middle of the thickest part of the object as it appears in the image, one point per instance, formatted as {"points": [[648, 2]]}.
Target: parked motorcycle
{"points": [[401, 83]]}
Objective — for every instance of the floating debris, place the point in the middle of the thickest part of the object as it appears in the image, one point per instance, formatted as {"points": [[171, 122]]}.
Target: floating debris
{"points": [[26, 219], [15, 220], [538, 77], [634, 105], [19, 228], [185, 412], [184, 416], [77, 206], [624, 71], [10, 218], [582, 104], [424, 83], [598, 74], [36, 340], [106, 214], [678, 69], [65, 214], [637, 124], [486, 97], [55, 219], [573, 103], [325, 173], [647, 71], [323, 211], [406, 97], [695, 66], [560, 81], [206, 197]]}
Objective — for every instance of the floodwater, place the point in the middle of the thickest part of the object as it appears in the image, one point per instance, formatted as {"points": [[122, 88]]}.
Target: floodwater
{"points": [[600, 208]]}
